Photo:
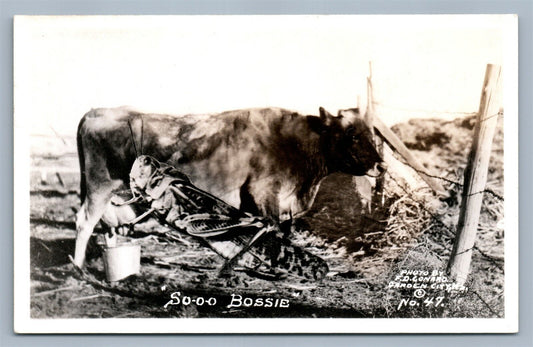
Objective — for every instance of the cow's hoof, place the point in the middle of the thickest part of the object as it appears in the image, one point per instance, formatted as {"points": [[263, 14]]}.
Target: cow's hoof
{"points": [[77, 271]]}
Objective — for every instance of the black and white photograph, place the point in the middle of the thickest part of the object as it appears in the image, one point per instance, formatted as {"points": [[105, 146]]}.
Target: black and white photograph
{"points": [[266, 174]]}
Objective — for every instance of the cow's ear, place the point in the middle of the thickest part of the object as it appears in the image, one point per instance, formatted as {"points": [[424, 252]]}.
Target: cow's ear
{"points": [[325, 116], [315, 124]]}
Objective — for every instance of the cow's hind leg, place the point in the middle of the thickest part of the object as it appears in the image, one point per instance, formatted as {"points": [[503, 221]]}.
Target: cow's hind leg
{"points": [[87, 217]]}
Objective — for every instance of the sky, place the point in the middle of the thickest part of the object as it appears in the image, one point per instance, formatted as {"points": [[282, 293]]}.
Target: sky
{"points": [[421, 65]]}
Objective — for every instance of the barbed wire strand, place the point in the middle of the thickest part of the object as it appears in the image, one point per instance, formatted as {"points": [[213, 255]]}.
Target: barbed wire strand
{"points": [[420, 110], [486, 190], [486, 304], [491, 116]]}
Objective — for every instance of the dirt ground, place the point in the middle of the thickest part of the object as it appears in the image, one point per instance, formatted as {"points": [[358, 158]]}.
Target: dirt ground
{"points": [[364, 251], [169, 264]]}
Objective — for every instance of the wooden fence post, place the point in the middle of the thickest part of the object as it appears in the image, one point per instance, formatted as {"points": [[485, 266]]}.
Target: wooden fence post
{"points": [[368, 188], [377, 196], [383, 137], [369, 114], [475, 177]]}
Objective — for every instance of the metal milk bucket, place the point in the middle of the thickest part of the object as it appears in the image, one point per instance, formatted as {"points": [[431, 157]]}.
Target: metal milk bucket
{"points": [[121, 261]]}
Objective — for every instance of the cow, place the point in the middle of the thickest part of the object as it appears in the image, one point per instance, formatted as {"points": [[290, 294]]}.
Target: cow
{"points": [[264, 161]]}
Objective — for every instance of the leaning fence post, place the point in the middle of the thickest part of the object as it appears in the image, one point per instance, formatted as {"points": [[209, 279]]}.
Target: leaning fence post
{"points": [[475, 177]]}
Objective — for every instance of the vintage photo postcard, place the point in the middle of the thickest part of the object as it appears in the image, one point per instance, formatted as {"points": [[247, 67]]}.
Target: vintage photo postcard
{"points": [[266, 174]]}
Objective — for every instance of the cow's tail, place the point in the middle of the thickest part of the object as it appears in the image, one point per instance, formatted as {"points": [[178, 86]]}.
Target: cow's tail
{"points": [[81, 157]]}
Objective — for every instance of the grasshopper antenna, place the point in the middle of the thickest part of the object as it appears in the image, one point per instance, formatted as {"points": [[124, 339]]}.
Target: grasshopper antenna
{"points": [[133, 140], [142, 133]]}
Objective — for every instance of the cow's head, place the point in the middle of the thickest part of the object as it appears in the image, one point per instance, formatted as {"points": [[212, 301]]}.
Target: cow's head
{"points": [[348, 144]]}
